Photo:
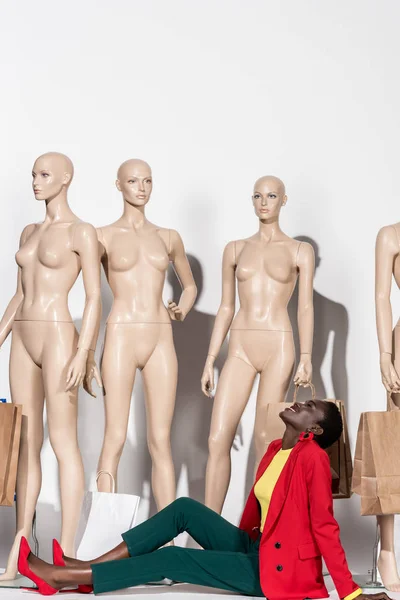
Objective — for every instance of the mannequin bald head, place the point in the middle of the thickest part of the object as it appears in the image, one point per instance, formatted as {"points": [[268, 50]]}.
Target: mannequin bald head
{"points": [[51, 174], [269, 196], [135, 182]]}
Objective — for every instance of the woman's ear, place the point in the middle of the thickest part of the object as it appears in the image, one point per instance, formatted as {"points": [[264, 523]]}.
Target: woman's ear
{"points": [[316, 429]]}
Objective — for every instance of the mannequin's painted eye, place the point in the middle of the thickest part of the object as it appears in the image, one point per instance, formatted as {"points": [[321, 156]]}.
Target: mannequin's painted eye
{"points": [[272, 195], [257, 197], [45, 174], [148, 180], [132, 181]]}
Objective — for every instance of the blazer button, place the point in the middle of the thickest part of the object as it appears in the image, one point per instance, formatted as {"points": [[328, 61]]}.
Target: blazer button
{"points": [[278, 545], [279, 568]]}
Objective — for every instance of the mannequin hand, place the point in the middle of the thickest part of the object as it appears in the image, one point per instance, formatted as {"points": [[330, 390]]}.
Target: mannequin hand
{"points": [[390, 378], [92, 371], [207, 380], [304, 370], [77, 369], [175, 312], [381, 596]]}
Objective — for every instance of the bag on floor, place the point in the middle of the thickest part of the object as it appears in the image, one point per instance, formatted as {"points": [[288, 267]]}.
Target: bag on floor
{"points": [[339, 454], [376, 476], [10, 434], [104, 517]]}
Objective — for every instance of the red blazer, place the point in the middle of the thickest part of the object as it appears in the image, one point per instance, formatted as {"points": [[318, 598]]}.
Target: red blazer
{"points": [[300, 528]]}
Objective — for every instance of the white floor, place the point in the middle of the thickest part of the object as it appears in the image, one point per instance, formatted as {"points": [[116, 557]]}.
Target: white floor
{"points": [[174, 592]]}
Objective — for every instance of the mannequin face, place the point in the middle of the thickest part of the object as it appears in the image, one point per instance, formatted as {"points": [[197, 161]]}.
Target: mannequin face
{"points": [[51, 174], [268, 198], [135, 182]]}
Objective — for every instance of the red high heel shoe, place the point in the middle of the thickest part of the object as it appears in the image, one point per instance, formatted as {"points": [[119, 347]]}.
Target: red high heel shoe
{"points": [[23, 567], [58, 560]]}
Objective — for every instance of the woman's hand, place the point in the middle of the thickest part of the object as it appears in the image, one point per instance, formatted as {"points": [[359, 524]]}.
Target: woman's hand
{"points": [[77, 369], [380, 596], [304, 370], [390, 378], [92, 372], [207, 380], [175, 312]]}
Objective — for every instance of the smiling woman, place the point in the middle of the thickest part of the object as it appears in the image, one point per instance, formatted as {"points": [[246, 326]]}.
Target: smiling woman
{"points": [[286, 528]]}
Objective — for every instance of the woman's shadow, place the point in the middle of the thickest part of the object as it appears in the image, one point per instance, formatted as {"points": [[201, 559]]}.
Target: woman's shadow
{"points": [[331, 326]]}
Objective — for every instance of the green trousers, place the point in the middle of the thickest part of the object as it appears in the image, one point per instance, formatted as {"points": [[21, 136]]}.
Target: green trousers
{"points": [[228, 561]]}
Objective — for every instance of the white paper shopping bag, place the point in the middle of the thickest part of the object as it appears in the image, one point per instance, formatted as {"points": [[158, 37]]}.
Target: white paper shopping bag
{"points": [[104, 517]]}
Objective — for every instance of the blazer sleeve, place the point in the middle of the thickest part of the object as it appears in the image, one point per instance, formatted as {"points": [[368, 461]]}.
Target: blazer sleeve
{"points": [[324, 525]]}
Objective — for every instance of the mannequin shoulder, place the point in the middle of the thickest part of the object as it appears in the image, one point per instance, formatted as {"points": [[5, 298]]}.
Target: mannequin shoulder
{"points": [[233, 250], [27, 232], [83, 235], [171, 238], [389, 237], [304, 253]]}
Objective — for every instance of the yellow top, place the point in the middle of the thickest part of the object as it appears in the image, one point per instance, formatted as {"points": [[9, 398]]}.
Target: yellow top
{"points": [[265, 486]]}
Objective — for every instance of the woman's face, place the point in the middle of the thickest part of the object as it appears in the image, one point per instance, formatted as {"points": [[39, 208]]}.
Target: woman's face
{"points": [[304, 416], [268, 198]]}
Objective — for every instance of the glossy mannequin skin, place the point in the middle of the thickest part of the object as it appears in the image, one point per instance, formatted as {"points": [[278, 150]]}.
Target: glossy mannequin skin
{"points": [[266, 267], [387, 265], [47, 358], [135, 255]]}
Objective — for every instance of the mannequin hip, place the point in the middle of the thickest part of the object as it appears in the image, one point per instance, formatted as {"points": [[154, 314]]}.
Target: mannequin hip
{"points": [[42, 338], [260, 347]]}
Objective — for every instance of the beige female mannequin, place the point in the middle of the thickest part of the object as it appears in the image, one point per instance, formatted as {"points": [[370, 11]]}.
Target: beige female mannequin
{"points": [[48, 359], [135, 255], [266, 267], [387, 264]]}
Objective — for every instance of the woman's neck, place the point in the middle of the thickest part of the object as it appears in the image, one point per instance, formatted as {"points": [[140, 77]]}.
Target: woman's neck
{"points": [[290, 438], [269, 229], [134, 216], [57, 209]]}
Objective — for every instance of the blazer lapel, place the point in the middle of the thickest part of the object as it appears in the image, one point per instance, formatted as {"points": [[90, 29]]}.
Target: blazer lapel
{"points": [[281, 489]]}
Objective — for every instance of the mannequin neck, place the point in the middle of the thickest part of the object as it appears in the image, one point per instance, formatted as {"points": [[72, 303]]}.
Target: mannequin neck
{"points": [[57, 208], [269, 229], [134, 216]]}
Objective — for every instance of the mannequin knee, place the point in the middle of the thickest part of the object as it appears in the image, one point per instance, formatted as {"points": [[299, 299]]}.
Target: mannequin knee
{"points": [[114, 440], [219, 444], [159, 443]]}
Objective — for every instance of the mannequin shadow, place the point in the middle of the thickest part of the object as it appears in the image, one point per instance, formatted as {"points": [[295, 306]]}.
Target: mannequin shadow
{"points": [[191, 424]]}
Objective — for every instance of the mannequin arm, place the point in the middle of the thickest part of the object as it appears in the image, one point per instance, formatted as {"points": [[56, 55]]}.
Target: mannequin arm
{"points": [[305, 312], [224, 317], [7, 321], [184, 273], [86, 246], [386, 249]]}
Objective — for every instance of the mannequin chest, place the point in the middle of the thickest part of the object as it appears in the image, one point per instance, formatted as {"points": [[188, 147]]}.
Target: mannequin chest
{"points": [[274, 261], [127, 250], [49, 246]]}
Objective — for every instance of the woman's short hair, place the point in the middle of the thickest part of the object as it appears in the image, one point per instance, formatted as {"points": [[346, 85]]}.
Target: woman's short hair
{"points": [[332, 424]]}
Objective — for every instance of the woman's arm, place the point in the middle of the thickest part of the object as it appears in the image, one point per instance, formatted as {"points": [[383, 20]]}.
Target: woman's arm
{"points": [[324, 525], [224, 317], [305, 312], [85, 244], [386, 249], [184, 273], [7, 321]]}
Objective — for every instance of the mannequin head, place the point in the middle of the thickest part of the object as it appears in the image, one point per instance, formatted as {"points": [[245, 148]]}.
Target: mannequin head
{"points": [[268, 197], [135, 182], [52, 174]]}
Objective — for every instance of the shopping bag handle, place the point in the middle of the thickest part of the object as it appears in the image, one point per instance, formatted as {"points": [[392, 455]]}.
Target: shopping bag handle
{"points": [[102, 472], [297, 386], [390, 404]]}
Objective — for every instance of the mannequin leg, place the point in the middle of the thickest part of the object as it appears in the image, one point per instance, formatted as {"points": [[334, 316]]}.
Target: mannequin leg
{"points": [[387, 560], [62, 418], [118, 374], [160, 379], [26, 389], [274, 384], [233, 392]]}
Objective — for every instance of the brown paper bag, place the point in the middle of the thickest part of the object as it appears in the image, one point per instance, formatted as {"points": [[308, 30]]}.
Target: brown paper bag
{"points": [[10, 433], [376, 476], [339, 454]]}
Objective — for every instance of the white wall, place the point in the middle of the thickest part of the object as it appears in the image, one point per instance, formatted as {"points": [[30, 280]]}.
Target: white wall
{"points": [[213, 94]]}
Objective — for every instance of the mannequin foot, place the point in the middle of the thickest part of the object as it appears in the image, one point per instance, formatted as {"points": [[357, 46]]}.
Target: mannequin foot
{"points": [[388, 571], [8, 575]]}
